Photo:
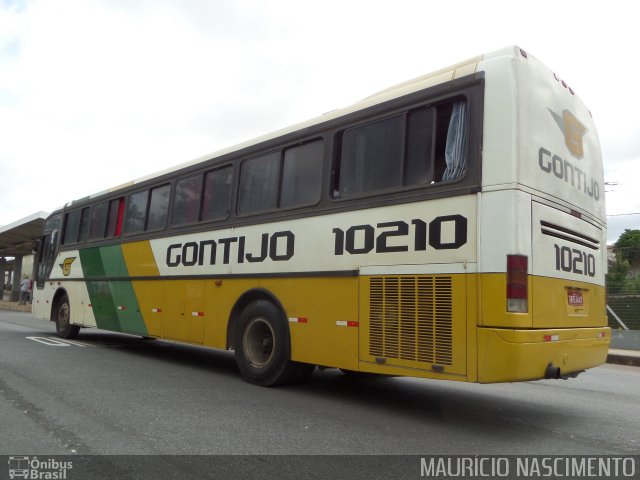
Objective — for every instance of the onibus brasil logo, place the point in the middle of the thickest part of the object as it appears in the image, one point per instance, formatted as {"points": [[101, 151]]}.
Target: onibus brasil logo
{"points": [[33, 468]]}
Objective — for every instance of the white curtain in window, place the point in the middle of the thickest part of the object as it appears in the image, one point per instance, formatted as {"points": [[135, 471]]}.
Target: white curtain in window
{"points": [[456, 147]]}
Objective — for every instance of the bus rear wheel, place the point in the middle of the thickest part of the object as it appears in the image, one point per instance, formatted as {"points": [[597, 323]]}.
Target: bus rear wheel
{"points": [[263, 347], [62, 317]]}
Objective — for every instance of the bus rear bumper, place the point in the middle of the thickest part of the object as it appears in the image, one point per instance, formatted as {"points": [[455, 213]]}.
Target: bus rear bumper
{"points": [[509, 355]]}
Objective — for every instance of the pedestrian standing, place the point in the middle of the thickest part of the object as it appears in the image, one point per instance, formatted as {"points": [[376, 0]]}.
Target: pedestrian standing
{"points": [[24, 290]]}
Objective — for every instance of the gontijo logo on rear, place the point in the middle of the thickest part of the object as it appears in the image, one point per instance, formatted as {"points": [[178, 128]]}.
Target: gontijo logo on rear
{"points": [[553, 163]]}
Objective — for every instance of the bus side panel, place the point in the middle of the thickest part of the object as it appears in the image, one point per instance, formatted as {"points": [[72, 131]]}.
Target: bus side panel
{"points": [[473, 318], [68, 274], [141, 263], [41, 308], [198, 311], [114, 301], [323, 318], [81, 308], [171, 309], [220, 298], [150, 299], [183, 310]]}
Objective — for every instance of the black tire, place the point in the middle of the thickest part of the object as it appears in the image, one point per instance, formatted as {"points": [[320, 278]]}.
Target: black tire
{"points": [[263, 347], [62, 317]]}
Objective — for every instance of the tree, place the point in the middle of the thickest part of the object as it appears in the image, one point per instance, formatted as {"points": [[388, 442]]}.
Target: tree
{"points": [[628, 247], [617, 276]]}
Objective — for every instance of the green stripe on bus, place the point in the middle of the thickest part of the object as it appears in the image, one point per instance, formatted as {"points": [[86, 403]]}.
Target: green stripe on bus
{"points": [[100, 295], [115, 305]]}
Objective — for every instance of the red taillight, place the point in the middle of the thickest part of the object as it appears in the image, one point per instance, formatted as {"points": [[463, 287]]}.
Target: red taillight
{"points": [[517, 283]]}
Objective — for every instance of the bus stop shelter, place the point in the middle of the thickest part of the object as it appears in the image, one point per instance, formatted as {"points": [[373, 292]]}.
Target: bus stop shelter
{"points": [[17, 240]]}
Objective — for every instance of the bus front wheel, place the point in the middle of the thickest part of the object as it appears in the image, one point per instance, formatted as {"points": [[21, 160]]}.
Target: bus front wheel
{"points": [[263, 348], [62, 317]]}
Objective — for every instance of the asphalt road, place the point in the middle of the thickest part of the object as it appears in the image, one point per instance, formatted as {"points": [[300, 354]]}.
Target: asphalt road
{"points": [[118, 394]]}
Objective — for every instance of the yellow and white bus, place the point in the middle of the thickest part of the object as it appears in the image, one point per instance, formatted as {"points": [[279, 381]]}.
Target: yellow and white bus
{"points": [[451, 227]]}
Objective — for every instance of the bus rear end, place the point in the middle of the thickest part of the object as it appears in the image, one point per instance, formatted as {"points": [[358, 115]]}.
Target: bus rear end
{"points": [[542, 253]]}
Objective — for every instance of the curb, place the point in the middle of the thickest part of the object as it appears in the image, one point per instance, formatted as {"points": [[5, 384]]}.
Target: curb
{"points": [[621, 359], [14, 307]]}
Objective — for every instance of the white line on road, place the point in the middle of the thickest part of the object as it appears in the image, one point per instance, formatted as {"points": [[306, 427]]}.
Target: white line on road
{"points": [[56, 342], [73, 342]]}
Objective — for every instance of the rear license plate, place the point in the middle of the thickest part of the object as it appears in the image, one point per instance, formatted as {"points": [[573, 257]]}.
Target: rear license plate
{"points": [[575, 298]]}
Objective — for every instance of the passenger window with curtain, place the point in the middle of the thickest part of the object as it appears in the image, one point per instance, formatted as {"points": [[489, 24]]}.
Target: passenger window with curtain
{"points": [[456, 141], [423, 146], [217, 194], [186, 202], [114, 218]]}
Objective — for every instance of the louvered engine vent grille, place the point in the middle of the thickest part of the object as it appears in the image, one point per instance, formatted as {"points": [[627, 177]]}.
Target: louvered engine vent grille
{"points": [[411, 319]]}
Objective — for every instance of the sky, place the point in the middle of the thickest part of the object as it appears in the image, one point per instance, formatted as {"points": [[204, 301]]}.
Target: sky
{"points": [[96, 93]]}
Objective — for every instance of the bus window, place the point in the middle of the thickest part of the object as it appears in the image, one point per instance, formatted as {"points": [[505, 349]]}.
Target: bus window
{"points": [[136, 212], [85, 218], [371, 157], [419, 164], [217, 194], [186, 203], [158, 207], [259, 183], [71, 227], [302, 174], [423, 146], [116, 211], [47, 249], [98, 221]]}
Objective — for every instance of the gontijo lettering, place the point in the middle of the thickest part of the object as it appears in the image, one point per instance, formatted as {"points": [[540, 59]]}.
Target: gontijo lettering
{"points": [[571, 174], [278, 246]]}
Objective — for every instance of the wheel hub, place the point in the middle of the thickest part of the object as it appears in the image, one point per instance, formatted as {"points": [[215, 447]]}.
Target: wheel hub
{"points": [[258, 342]]}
